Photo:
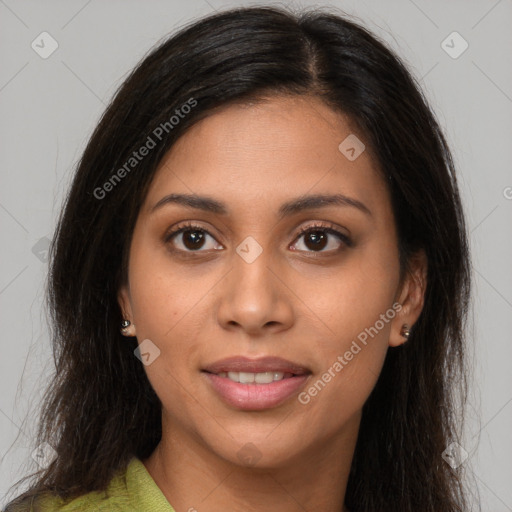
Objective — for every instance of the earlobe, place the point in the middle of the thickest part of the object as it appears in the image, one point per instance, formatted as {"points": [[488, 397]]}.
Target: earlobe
{"points": [[405, 332], [400, 331], [127, 329], [127, 326]]}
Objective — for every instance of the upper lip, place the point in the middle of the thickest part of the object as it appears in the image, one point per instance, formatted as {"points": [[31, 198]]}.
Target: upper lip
{"points": [[259, 365]]}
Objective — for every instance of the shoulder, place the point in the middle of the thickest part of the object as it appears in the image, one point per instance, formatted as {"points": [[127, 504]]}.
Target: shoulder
{"points": [[114, 499], [85, 503], [132, 490], [94, 501]]}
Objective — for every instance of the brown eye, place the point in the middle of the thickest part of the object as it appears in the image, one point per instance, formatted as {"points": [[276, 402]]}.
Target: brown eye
{"points": [[191, 238], [318, 238]]}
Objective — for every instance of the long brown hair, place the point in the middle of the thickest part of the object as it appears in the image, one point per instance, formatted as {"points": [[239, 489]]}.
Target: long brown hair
{"points": [[100, 410]]}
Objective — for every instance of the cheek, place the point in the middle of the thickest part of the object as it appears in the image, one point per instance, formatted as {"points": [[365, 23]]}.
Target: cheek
{"points": [[166, 307], [356, 295], [160, 294], [352, 362], [357, 306]]}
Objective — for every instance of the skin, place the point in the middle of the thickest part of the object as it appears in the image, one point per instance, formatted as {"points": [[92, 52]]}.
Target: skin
{"points": [[293, 301]]}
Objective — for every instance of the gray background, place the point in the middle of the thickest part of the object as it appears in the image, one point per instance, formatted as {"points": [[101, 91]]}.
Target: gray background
{"points": [[48, 108]]}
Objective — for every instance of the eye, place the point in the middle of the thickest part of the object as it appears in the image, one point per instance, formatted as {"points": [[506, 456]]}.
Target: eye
{"points": [[190, 237], [317, 238]]}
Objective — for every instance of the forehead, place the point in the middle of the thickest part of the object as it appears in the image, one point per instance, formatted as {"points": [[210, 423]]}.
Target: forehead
{"points": [[275, 149]]}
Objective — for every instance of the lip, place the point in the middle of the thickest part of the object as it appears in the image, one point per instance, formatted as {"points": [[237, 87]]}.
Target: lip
{"points": [[260, 365], [256, 397]]}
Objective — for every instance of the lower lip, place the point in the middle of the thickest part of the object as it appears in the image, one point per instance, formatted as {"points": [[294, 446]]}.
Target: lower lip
{"points": [[256, 397]]}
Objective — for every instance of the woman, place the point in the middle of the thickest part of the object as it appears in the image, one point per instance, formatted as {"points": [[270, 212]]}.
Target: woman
{"points": [[259, 283]]}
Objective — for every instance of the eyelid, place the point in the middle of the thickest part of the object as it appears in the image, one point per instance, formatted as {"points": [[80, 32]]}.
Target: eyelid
{"points": [[328, 227], [184, 226]]}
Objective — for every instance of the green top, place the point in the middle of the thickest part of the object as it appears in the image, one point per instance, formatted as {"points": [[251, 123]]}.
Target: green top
{"points": [[131, 491]]}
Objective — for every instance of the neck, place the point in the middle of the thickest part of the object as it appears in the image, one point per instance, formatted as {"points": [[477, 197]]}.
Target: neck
{"points": [[194, 478]]}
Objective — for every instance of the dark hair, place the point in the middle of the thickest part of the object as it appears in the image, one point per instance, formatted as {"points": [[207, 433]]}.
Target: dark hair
{"points": [[100, 410]]}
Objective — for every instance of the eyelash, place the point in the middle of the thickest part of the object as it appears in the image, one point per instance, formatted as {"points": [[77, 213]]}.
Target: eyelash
{"points": [[326, 228]]}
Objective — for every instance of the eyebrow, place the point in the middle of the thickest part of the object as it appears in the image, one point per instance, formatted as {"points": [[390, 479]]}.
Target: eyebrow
{"points": [[308, 202]]}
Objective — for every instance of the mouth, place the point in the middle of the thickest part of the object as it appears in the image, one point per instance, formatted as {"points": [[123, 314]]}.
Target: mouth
{"points": [[255, 378], [256, 384]]}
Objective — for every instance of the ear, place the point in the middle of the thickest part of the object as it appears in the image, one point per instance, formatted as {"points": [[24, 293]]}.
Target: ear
{"points": [[411, 296], [123, 298]]}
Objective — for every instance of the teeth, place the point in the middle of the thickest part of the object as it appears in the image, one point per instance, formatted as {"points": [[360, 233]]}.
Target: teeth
{"points": [[251, 378], [245, 377], [264, 378]]}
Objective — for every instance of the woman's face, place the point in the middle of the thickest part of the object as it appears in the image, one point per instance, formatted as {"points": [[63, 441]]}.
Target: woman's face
{"points": [[243, 284]]}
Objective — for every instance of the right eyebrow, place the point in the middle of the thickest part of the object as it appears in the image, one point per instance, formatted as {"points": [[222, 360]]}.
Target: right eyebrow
{"points": [[206, 204]]}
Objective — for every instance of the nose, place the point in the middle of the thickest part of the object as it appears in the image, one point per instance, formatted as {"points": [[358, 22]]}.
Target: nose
{"points": [[255, 298]]}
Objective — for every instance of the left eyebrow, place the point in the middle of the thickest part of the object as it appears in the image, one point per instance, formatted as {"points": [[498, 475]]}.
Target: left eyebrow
{"points": [[287, 209], [321, 201]]}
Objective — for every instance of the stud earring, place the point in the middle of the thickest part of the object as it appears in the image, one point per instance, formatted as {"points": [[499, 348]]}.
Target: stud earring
{"points": [[405, 332], [125, 328]]}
